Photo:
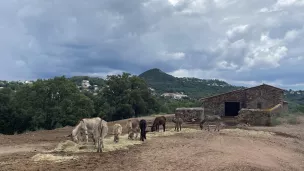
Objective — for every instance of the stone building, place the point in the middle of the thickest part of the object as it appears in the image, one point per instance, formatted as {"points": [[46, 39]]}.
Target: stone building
{"points": [[229, 104]]}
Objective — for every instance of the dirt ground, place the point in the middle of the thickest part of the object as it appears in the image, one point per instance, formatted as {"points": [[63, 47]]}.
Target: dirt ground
{"points": [[228, 149]]}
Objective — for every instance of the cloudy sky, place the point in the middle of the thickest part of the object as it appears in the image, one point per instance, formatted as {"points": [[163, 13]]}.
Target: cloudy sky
{"points": [[245, 42]]}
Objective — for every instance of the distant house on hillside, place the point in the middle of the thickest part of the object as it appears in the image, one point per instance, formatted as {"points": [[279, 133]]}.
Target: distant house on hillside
{"points": [[174, 95], [28, 82], [85, 84], [95, 87]]}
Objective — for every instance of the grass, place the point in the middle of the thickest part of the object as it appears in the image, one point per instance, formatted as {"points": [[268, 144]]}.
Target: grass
{"points": [[288, 118]]}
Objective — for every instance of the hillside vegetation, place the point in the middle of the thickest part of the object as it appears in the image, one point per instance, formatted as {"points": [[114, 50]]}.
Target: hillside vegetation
{"points": [[193, 87], [60, 101]]}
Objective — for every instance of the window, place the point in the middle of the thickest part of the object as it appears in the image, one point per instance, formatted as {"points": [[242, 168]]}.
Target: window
{"points": [[259, 105]]}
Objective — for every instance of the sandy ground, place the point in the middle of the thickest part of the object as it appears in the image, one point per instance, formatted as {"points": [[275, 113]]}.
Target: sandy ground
{"points": [[229, 149]]}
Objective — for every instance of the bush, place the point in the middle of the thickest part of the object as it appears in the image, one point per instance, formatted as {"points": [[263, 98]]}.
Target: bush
{"points": [[293, 120], [289, 118], [276, 121]]}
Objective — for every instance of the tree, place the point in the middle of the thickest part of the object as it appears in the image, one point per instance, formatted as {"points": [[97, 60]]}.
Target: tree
{"points": [[5, 111], [130, 96], [49, 104]]}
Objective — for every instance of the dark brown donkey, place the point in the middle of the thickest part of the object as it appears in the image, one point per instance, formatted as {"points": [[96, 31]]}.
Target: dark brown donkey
{"points": [[161, 120]]}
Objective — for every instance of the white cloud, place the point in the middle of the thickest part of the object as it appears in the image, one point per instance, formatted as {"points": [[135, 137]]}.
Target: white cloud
{"points": [[197, 73], [173, 56], [266, 54], [291, 35], [173, 2], [237, 30], [284, 3], [226, 65]]}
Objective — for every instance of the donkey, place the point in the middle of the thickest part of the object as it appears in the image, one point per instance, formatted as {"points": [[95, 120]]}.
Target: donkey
{"points": [[161, 120], [133, 128], [117, 131], [178, 123], [100, 134], [86, 125], [143, 126], [210, 118]]}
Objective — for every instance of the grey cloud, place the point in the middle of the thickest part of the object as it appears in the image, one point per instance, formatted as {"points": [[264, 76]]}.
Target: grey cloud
{"points": [[43, 39]]}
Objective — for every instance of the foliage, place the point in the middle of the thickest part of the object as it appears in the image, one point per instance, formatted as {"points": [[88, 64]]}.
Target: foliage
{"points": [[193, 87], [46, 104], [13, 85], [289, 118], [57, 102], [127, 96], [93, 80]]}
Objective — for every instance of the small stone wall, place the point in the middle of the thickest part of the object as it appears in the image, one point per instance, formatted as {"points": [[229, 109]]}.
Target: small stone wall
{"points": [[254, 117], [259, 117], [189, 114]]}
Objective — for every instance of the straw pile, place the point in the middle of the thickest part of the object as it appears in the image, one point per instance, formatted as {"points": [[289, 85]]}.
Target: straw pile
{"points": [[51, 157], [123, 144]]}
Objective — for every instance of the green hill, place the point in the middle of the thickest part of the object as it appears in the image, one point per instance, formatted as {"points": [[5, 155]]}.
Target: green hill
{"points": [[193, 87]]}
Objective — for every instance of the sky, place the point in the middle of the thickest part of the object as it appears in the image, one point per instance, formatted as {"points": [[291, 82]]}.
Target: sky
{"points": [[243, 42]]}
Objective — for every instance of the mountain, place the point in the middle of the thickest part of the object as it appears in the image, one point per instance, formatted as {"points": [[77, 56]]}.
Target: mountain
{"points": [[193, 87]]}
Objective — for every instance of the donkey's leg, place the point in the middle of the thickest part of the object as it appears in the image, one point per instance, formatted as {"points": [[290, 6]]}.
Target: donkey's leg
{"points": [[180, 126]]}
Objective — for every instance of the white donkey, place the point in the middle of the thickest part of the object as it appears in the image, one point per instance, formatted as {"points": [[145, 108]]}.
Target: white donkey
{"points": [[86, 126], [100, 134], [117, 131], [132, 127]]}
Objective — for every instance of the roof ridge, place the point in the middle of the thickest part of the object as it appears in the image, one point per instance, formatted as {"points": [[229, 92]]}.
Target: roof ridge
{"points": [[242, 90]]}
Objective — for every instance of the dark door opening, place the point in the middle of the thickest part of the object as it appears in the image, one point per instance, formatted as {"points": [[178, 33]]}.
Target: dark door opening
{"points": [[232, 108]]}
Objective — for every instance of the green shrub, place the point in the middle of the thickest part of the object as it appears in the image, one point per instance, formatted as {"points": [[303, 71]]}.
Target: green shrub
{"points": [[293, 120]]}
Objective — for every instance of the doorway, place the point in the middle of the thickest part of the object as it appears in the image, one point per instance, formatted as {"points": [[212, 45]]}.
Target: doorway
{"points": [[232, 108]]}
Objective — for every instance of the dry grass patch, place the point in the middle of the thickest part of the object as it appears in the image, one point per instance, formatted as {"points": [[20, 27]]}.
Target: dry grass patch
{"points": [[251, 133], [123, 144], [51, 157]]}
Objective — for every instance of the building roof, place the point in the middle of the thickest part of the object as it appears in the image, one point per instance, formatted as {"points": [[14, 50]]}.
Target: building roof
{"points": [[241, 90], [190, 108]]}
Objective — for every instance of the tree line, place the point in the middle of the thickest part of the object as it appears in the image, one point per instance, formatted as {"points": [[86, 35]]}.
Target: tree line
{"points": [[57, 102]]}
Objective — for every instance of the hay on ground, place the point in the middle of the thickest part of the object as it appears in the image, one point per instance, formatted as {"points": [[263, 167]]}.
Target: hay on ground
{"points": [[123, 144], [253, 133], [51, 157]]}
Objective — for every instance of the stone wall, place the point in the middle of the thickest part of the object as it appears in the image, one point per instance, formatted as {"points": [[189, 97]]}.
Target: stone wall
{"points": [[188, 114], [254, 117], [268, 96], [259, 117]]}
